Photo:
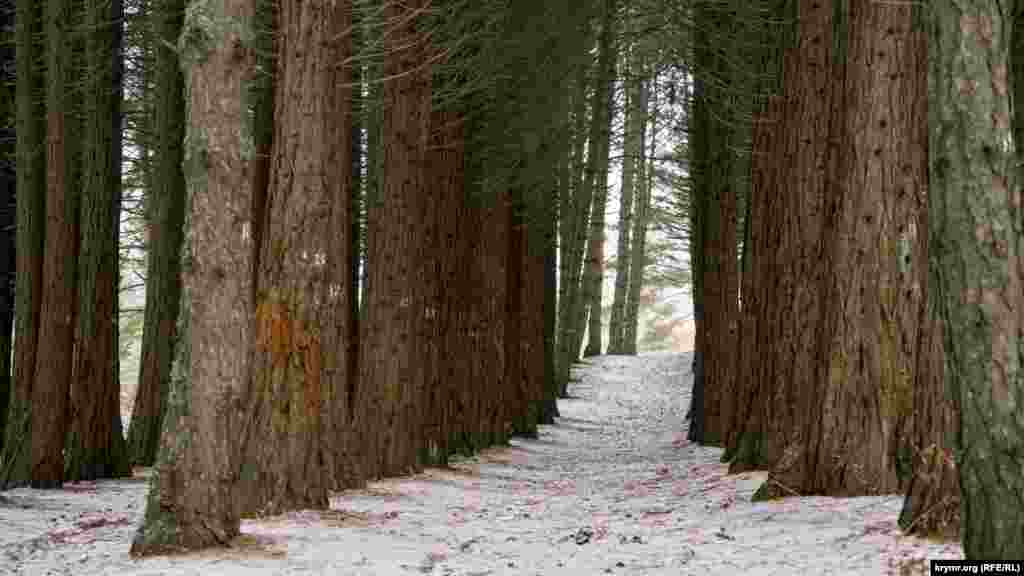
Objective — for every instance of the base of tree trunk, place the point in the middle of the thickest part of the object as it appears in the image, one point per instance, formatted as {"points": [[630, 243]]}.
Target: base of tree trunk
{"points": [[170, 529]]}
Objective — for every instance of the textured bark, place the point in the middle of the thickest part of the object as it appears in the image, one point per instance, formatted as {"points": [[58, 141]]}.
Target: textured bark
{"points": [[390, 375], [450, 385], [299, 413], [190, 503], [54, 358], [794, 310], [166, 217], [492, 253], [757, 289], [95, 446], [974, 211], [715, 189], [857, 441], [31, 221], [932, 503], [758, 255]]}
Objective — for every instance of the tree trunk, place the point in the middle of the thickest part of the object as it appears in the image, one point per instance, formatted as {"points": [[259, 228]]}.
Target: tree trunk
{"points": [[715, 187], [389, 368], [857, 443], [15, 459], [932, 503], [794, 311], [569, 193], [54, 359], [166, 217], [190, 503], [449, 382], [298, 403], [593, 280], [975, 214], [743, 449], [95, 445], [590, 236]]}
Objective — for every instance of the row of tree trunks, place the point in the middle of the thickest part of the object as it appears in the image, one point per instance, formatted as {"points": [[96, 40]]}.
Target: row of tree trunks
{"points": [[68, 427], [166, 216], [95, 446], [576, 211], [455, 272], [833, 326]]}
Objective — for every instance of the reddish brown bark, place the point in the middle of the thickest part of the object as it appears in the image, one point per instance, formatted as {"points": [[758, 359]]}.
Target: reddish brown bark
{"points": [[55, 356], [191, 502], [449, 380], [390, 372], [298, 420], [758, 290], [872, 284], [793, 306]]}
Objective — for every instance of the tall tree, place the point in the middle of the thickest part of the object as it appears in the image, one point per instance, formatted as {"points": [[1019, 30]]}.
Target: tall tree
{"points": [[95, 446], [715, 199], [54, 370], [31, 222], [191, 502], [166, 217], [792, 315], [303, 311], [857, 440], [974, 209], [390, 370]]}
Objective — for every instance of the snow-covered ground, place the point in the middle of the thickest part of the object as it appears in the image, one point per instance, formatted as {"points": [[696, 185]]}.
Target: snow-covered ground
{"points": [[614, 488]]}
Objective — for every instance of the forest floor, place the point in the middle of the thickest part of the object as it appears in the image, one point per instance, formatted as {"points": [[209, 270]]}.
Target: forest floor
{"points": [[613, 488]]}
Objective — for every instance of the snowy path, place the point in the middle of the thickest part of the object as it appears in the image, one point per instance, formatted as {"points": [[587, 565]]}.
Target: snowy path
{"points": [[612, 489]]}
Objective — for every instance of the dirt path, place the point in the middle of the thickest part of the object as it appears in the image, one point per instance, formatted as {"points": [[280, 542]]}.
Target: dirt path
{"points": [[614, 488]]}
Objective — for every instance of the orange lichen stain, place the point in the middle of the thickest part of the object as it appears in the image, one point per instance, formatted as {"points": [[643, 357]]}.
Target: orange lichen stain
{"points": [[274, 331], [313, 365]]}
